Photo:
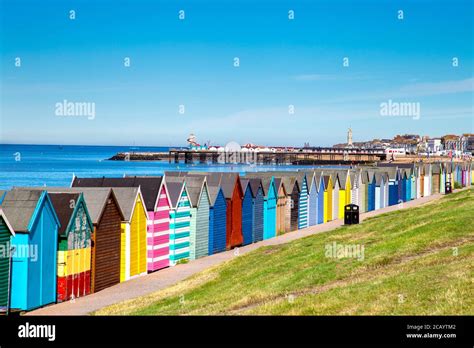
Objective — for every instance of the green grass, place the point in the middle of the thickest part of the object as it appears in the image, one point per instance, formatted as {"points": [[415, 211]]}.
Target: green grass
{"points": [[416, 261]]}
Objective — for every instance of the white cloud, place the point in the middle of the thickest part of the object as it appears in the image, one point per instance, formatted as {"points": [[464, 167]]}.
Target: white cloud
{"points": [[435, 88]]}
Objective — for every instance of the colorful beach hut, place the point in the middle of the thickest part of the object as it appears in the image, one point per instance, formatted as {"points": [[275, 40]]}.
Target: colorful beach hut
{"points": [[320, 200], [258, 206], [328, 197], [293, 196], [34, 226], [312, 198], [380, 191], [106, 239], [133, 251], [336, 196], [247, 211], [303, 200], [344, 191], [230, 183], [426, 180], [180, 219], [199, 224], [283, 211], [364, 201], [217, 217], [356, 187], [74, 245], [435, 178], [155, 195], [269, 207], [371, 190]]}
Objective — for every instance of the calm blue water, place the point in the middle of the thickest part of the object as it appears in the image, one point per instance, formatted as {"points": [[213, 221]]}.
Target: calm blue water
{"points": [[53, 165]]}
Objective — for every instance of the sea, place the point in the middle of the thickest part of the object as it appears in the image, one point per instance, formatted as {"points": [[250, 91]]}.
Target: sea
{"points": [[55, 165]]}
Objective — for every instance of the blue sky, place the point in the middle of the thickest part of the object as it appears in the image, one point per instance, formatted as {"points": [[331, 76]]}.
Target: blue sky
{"points": [[190, 62]]}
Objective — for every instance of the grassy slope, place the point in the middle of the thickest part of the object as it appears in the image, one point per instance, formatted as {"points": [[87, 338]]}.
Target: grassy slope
{"points": [[409, 268]]}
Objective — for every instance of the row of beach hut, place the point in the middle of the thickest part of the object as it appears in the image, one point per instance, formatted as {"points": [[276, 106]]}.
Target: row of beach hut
{"points": [[60, 243]]}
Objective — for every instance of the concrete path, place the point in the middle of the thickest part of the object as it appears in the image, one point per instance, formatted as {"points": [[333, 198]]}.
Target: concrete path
{"points": [[164, 278]]}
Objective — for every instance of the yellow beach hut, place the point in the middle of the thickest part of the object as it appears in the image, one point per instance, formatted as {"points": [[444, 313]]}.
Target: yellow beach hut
{"points": [[328, 197], [133, 251]]}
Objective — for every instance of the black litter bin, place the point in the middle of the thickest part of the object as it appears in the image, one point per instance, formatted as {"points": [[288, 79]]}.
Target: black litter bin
{"points": [[351, 214], [447, 187]]}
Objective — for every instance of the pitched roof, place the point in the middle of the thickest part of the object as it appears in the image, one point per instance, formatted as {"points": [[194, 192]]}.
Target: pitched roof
{"points": [[175, 186], [127, 197], [149, 186], [326, 179], [64, 204], [245, 183], [19, 206], [213, 193], [255, 184], [290, 183], [318, 179], [365, 176], [228, 182], [379, 176], [95, 197], [195, 185]]}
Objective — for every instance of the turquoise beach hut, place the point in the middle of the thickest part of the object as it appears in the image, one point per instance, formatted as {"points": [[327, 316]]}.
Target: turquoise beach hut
{"points": [[36, 225], [269, 207]]}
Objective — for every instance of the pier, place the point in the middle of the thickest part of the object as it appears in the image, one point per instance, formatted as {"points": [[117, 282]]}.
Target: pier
{"points": [[307, 156]]}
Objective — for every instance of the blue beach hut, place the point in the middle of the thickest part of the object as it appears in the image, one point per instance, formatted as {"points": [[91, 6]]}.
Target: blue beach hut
{"points": [[312, 198], [247, 212], [36, 225], [371, 191], [318, 178], [217, 217], [258, 204]]}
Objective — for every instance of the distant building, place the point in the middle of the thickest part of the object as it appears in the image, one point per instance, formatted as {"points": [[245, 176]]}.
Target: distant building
{"points": [[349, 138], [470, 143], [434, 145]]}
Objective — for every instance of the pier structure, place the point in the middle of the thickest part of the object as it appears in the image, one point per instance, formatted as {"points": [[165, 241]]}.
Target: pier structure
{"points": [[305, 156]]}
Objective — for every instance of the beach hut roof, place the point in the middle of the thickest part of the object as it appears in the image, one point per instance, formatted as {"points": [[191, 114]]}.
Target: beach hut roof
{"points": [[379, 176], [149, 186], [312, 182], [19, 206], [213, 193], [175, 187], [392, 172], [326, 180], [195, 186], [245, 183], [64, 204], [354, 175], [127, 197], [290, 183], [96, 198], [364, 174], [317, 178], [266, 184], [342, 174], [255, 184], [228, 182]]}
